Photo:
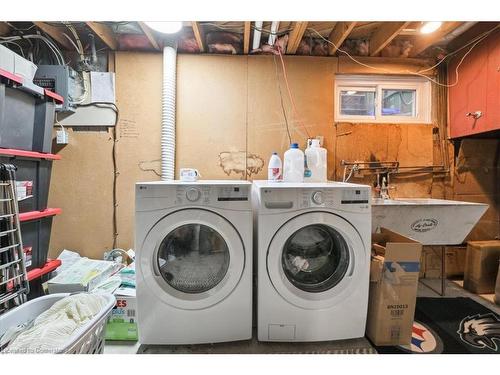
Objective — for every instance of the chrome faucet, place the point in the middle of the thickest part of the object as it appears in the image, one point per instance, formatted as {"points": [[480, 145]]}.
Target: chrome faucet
{"points": [[382, 186], [384, 189]]}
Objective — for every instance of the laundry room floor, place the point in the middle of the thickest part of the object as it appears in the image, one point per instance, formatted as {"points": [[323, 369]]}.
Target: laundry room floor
{"points": [[356, 346]]}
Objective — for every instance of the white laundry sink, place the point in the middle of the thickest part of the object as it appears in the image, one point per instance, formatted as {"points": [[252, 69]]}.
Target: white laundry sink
{"points": [[429, 221]]}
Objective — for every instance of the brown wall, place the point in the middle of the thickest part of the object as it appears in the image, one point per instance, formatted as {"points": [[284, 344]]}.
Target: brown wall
{"points": [[477, 179], [227, 106]]}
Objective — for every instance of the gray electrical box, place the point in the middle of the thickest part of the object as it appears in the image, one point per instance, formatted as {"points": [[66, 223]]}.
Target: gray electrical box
{"points": [[61, 79]]}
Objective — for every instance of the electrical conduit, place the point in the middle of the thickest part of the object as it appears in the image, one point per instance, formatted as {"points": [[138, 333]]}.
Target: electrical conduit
{"points": [[168, 114]]}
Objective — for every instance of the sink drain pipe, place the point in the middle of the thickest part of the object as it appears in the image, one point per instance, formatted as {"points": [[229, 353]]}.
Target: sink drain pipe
{"points": [[168, 113]]}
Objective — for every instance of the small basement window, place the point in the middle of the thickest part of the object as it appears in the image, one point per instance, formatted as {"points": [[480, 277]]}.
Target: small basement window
{"points": [[383, 99]]}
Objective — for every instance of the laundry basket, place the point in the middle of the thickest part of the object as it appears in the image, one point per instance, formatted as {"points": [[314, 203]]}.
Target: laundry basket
{"points": [[88, 339]]}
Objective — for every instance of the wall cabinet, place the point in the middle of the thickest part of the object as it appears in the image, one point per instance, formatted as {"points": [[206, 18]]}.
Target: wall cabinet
{"points": [[474, 103]]}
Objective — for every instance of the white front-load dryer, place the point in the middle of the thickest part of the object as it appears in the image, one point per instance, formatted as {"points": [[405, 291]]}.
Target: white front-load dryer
{"points": [[312, 242], [194, 261]]}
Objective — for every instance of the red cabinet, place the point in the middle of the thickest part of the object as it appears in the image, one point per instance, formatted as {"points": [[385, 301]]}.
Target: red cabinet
{"points": [[474, 103]]}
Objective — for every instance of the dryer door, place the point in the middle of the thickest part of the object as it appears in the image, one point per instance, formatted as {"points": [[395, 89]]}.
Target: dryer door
{"points": [[192, 259], [315, 259]]}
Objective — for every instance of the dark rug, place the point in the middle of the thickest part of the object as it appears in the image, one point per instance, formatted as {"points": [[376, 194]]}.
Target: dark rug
{"points": [[451, 326]]}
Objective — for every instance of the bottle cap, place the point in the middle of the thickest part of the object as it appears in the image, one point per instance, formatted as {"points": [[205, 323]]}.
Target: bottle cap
{"points": [[294, 145], [315, 143], [275, 153]]}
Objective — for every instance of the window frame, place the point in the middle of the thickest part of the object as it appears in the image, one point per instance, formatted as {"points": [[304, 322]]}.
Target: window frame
{"points": [[422, 87]]}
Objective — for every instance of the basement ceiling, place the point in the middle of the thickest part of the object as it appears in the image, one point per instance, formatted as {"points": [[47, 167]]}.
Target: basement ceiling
{"points": [[376, 39]]}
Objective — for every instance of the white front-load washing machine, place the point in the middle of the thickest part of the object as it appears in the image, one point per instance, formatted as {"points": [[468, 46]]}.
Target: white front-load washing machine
{"points": [[194, 261], [313, 251]]}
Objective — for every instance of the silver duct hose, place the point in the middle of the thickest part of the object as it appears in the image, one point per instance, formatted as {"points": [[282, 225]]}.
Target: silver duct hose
{"points": [[168, 114]]}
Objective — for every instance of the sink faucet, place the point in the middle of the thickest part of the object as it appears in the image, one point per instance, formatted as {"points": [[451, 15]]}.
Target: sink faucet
{"points": [[384, 189], [382, 186]]}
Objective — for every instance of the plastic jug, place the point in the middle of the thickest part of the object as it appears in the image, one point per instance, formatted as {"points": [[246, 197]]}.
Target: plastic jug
{"points": [[275, 168], [293, 164], [316, 162]]}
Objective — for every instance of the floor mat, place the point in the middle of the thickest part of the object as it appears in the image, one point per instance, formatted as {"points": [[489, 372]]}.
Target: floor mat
{"points": [[451, 326], [355, 346]]}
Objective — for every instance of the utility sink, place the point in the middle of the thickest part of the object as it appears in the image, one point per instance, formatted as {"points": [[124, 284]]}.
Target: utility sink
{"points": [[429, 221]]}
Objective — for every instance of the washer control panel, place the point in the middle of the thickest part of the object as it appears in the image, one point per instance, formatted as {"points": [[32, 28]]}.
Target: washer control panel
{"points": [[206, 194], [220, 194], [351, 199]]}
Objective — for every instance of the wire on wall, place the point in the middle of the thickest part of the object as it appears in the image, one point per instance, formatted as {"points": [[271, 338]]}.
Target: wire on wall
{"points": [[474, 42], [294, 107], [116, 173], [281, 100]]}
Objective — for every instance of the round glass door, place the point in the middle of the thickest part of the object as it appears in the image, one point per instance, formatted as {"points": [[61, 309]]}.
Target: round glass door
{"points": [[193, 258], [315, 258]]}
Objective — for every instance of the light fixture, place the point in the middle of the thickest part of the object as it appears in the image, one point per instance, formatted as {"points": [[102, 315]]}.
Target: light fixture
{"points": [[165, 27], [430, 27]]}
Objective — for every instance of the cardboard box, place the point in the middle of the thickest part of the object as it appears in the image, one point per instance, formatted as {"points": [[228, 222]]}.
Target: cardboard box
{"points": [[430, 261], [122, 323], [394, 275], [83, 276], [481, 266]]}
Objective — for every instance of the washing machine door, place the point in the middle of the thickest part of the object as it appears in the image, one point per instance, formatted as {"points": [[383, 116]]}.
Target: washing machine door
{"points": [[314, 260], [192, 259]]}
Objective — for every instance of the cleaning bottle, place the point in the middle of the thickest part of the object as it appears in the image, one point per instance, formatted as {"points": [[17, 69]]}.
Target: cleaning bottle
{"points": [[275, 168], [293, 165], [316, 162]]}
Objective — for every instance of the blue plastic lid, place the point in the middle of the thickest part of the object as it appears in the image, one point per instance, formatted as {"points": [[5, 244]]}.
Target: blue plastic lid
{"points": [[294, 145]]}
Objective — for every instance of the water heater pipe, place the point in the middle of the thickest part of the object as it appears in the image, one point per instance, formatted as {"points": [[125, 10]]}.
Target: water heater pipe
{"points": [[168, 114]]}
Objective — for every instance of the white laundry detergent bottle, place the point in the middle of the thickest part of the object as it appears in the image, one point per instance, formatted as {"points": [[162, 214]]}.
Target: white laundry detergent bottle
{"points": [[316, 162], [275, 168], [293, 164]]}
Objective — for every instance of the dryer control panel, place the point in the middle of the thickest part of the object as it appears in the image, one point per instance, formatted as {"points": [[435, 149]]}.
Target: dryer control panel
{"points": [[207, 194], [345, 199], [231, 196]]}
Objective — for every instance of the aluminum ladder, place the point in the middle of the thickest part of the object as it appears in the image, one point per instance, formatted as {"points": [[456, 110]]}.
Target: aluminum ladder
{"points": [[14, 285]]}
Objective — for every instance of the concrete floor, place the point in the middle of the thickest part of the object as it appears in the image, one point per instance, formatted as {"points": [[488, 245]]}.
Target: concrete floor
{"points": [[253, 346]]}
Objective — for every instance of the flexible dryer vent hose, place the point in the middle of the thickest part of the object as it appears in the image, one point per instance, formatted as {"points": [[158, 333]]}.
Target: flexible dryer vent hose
{"points": [[168, 114]]}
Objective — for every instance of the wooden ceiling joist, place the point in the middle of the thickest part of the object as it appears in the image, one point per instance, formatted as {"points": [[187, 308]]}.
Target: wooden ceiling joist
{"points": [[199, 35], [246, 37], [422, 42], [295, 37], [384, 35], [105, 33], [340, 33], [149, 34], [55, 33]]}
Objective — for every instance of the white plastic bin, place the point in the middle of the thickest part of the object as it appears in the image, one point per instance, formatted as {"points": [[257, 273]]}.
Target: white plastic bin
{"points": [[88, 339]]}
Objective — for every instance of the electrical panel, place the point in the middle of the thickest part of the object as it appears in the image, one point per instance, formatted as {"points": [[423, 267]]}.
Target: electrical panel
{"points": [[61, 79]]}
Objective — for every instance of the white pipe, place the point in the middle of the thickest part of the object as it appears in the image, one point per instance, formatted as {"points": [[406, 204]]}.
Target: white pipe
{"points": [[274, 30], [256, 34], [168, 114]]}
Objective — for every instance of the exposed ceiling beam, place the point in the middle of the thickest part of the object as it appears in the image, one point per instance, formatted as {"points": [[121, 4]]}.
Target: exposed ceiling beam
{"points": [[147, 31], [295, 37], [105, 33], [384, 35], [4, 28], [469, 34], [422, 41], [55, 33], [339, 33], [246, 37], [199, 35]]}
